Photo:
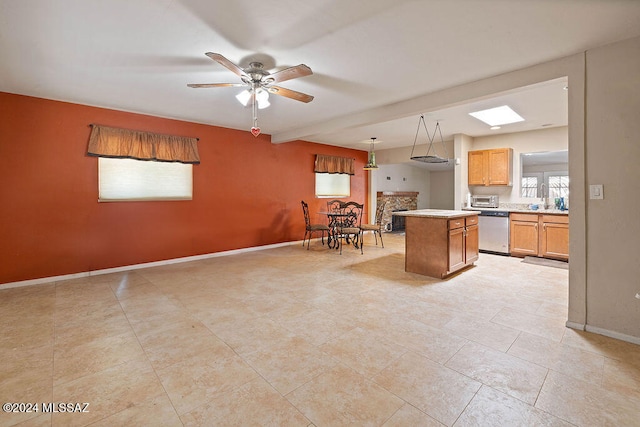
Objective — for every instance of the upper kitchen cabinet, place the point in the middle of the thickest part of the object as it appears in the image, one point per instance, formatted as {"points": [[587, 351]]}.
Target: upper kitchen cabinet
{"points": [[490, 167]]}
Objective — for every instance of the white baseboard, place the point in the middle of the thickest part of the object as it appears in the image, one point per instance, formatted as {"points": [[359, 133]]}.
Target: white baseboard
{"points": [[574, 325], [601, 331], [613, 334], [143, 265]]}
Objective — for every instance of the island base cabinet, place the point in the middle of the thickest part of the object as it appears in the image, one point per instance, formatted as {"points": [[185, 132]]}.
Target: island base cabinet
{"points": [[438, 247], [472, 245], [456, 250]]}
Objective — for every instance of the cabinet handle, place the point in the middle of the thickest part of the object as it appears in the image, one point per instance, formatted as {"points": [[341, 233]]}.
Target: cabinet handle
{"points": [[536, 226], [544, 227]]}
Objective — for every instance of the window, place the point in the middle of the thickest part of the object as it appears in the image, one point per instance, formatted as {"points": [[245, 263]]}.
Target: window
{"points": [[529, 186], [551, 185], [333, 185], [130, 180], [558, 186]]}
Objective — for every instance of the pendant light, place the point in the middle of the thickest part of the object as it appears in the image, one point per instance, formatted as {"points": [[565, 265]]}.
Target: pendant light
{"points": [[371, 164], [430, 158]]}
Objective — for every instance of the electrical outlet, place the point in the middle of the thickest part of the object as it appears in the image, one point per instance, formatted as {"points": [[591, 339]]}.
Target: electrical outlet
{"points": [[596, 191]]}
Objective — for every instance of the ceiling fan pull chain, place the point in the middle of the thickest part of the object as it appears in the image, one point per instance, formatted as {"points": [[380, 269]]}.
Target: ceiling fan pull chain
{"points": [[255, 130]]}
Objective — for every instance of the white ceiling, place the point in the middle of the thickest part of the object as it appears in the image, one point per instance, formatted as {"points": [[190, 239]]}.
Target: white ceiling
{"points": [[139, 55]]}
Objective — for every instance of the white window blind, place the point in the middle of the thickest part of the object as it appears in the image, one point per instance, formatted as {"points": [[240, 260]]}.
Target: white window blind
{"points": [[333, 185], [131, 180]]}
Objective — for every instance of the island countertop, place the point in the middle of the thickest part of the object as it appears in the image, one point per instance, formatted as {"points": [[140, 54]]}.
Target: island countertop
{"points": [[436, 213]]}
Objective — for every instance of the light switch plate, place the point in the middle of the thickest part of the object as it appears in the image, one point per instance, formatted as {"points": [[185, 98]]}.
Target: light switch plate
{"points": [[596, 191]]}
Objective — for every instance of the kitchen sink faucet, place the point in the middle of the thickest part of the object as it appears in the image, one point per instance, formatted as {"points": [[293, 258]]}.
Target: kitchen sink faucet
{"points": [[543, 198]]}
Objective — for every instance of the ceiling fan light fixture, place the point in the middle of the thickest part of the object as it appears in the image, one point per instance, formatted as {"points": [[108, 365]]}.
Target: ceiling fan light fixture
{"points": [[244, 97], [262, 98], [260, 84], [371, 164]]}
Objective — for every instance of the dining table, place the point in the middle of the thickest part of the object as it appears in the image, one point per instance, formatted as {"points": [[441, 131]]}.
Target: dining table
{"points": [[333, 218], [334, 221]]}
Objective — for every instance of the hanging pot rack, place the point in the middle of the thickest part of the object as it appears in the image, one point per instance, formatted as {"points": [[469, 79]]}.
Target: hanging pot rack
{"points": [[430, 158]]}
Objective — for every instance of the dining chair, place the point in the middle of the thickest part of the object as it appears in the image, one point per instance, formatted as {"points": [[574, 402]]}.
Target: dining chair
{"points": [[377, 226], [349, 223], [334, 205], [311, 228]]}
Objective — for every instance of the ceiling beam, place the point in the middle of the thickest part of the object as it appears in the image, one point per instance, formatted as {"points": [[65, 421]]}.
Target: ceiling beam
{"points": [[450, 97]]}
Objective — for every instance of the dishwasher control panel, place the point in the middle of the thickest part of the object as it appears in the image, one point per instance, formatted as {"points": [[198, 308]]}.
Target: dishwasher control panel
{"points": [[494, 213]]}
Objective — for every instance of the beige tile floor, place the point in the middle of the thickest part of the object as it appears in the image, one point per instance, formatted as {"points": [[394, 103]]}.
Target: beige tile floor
{"points": [[290, 337]]}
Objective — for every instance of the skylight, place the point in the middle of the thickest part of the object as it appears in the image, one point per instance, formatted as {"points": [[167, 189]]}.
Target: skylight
{"points": [[498, 116]]}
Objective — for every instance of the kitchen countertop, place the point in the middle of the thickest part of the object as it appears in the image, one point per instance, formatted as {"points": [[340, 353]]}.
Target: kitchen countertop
{"points": [[520, 210], [436, 213]]}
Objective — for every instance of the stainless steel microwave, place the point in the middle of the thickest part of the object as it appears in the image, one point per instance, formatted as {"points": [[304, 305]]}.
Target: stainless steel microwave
{"points": [[484, 201]]}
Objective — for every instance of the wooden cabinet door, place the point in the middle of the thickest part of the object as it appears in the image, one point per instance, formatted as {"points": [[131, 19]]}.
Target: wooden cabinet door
{"points": [[456, 249], [477, 167], [471, 244], [555, 241], [524, 238], [499, 169]]}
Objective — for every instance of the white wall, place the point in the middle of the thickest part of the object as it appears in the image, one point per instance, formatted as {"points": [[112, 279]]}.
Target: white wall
{"points": [[400, 177], [462, 144], [613, 159], [442, 190], [396, 163]]}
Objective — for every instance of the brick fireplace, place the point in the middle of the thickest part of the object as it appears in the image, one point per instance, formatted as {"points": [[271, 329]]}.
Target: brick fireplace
{"points": [[396, 201]]}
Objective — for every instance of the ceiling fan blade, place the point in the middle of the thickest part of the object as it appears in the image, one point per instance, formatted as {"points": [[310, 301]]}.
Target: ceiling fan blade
{"points": [[291, 73], [215, 84], [226, 63], [298, 96]]}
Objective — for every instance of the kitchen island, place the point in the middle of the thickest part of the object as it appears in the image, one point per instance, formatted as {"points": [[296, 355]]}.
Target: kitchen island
{"points": [[439, 243]]}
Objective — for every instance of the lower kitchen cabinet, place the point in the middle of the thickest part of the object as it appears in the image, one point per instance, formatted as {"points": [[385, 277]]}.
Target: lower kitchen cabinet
{"points": [[463, 242], [472, 243], [554, 237], [540, 235], [523, 234]]}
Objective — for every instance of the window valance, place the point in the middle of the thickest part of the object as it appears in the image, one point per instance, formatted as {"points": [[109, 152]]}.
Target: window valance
{"points": [[334, 164], [124, 143]]}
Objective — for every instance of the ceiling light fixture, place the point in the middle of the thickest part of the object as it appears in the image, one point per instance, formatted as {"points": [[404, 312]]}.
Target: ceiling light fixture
{"points": [[371, 164], [261, 83], [262, 97], [503, 115], [430, 158]]}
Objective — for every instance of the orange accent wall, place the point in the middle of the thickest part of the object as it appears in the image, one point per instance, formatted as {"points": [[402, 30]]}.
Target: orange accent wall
{"points": [[246, 193]]}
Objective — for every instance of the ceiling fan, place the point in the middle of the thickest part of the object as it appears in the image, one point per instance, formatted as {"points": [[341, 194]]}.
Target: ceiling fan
{"points": [[260, 83]]}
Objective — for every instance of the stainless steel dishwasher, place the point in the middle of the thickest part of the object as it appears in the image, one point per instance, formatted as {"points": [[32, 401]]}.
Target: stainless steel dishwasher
{"points": [[493, 229]]}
